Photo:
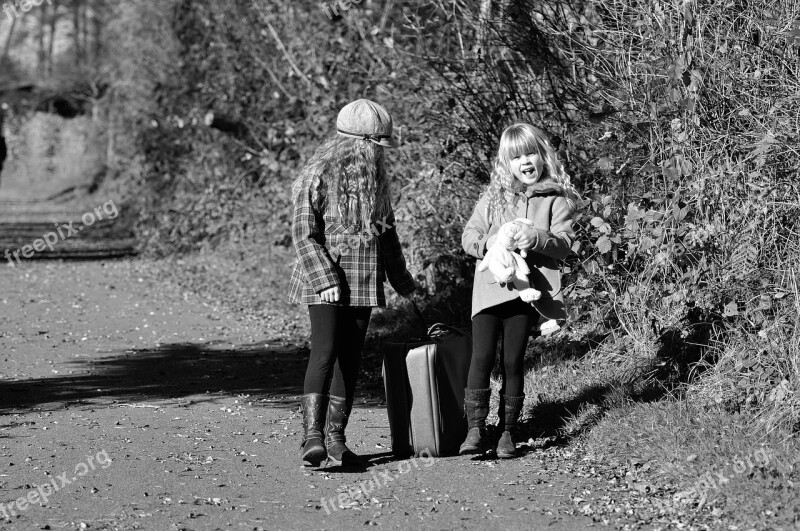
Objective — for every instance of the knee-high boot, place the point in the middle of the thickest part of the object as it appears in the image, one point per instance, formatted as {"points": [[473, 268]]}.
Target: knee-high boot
{"points": [[506, 446], [338, 414], [312, 449], [476, 406]]}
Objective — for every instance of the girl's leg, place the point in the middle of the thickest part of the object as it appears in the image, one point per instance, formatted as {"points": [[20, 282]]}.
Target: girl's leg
{"points": [[345, 375], [485, 332], [517, 324], [325, 321], [348, 358], [516, 329], [315, 402]]}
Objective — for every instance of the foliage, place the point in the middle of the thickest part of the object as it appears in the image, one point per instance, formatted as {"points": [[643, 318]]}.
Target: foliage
{"points": [[675, 119], [282, 72]]}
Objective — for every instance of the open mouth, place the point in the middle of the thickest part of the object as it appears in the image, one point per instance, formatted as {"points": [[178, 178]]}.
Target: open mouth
{"points": [[528, 171]]}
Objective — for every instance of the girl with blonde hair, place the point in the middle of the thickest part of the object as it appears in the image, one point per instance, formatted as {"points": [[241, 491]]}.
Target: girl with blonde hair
{"points": [[528, 182]]}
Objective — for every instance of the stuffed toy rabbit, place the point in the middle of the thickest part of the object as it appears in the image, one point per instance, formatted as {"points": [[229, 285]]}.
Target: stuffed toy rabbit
{"points": [[506, 265]]}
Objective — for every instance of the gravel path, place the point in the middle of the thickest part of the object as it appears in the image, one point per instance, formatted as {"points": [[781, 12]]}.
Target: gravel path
{"points": [[75, 229], [129, 404]]}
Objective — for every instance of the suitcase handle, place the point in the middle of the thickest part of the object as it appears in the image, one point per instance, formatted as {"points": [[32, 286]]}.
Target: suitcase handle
{"points": [[437, 330], [440, 329]]}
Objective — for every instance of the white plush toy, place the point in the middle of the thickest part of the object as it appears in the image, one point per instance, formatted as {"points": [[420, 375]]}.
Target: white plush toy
{"points": [[507, 266]]}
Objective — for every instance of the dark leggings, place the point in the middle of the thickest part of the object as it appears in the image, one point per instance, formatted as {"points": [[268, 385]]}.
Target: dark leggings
{"points": [[337, 337], [515, 319]]}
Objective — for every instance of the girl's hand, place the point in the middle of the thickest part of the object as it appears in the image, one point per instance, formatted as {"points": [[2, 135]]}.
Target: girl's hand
{"points": [[526, 237], [417, 295], [331, 294]]}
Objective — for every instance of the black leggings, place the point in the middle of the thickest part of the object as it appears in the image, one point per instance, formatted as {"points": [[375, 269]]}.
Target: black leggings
{"points": [[515, 318], [337, 337]]}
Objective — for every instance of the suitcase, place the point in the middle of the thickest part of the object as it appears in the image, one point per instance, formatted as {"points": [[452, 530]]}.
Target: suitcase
{"points": [[424, 382]]}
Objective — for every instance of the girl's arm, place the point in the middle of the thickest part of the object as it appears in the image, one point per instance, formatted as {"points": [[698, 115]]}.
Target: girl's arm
{"points": [[557, 242], [313, 257], [394, 262], [473, 239]]}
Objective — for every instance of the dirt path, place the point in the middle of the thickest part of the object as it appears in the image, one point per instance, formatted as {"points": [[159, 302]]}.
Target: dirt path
{"points": [[67, 229], [149, 410]]}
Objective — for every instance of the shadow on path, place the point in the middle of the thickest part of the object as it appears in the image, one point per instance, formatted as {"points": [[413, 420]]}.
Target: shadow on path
{"points": [[274, 373]]}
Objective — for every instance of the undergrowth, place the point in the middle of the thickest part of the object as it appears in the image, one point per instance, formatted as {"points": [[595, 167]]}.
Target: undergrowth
{"points": [[676, 119]]}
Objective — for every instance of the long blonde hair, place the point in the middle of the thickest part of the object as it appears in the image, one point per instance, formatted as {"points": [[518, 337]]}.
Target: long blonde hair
{"points": [[504, 189], [350, 172]]}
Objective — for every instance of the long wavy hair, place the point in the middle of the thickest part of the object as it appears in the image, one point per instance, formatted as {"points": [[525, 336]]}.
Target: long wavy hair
{"points": [[348, 174], [504, 189]]}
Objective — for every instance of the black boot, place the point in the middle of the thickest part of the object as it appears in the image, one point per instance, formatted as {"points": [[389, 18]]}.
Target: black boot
{"points": [[476, 406], [338, 414], [506, 446], [312, 449]]}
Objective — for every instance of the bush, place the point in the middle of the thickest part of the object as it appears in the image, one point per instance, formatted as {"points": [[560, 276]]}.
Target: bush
{"points": [[278, 73], [675, 121]]}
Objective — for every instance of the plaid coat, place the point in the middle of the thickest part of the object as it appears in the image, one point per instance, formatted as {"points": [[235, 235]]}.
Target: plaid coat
{"points": [[329, 254]]}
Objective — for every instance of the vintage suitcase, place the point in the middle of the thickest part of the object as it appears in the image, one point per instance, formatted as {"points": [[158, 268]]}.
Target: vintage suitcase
{"points": [[424, 382]]}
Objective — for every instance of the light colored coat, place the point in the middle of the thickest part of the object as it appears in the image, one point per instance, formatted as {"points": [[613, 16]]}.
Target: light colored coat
{"points": [[545, 205]]}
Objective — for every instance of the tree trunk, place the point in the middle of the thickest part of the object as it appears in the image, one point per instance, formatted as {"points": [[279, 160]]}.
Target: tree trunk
{"points": [[111, 148], [76, 30], [51, 44], [98, 17], [485, 19], [40, 51], [7, 48], [85, 32]]}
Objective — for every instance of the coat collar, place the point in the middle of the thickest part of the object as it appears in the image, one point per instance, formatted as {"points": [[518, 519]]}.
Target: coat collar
{"points": [[547, 187]]}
